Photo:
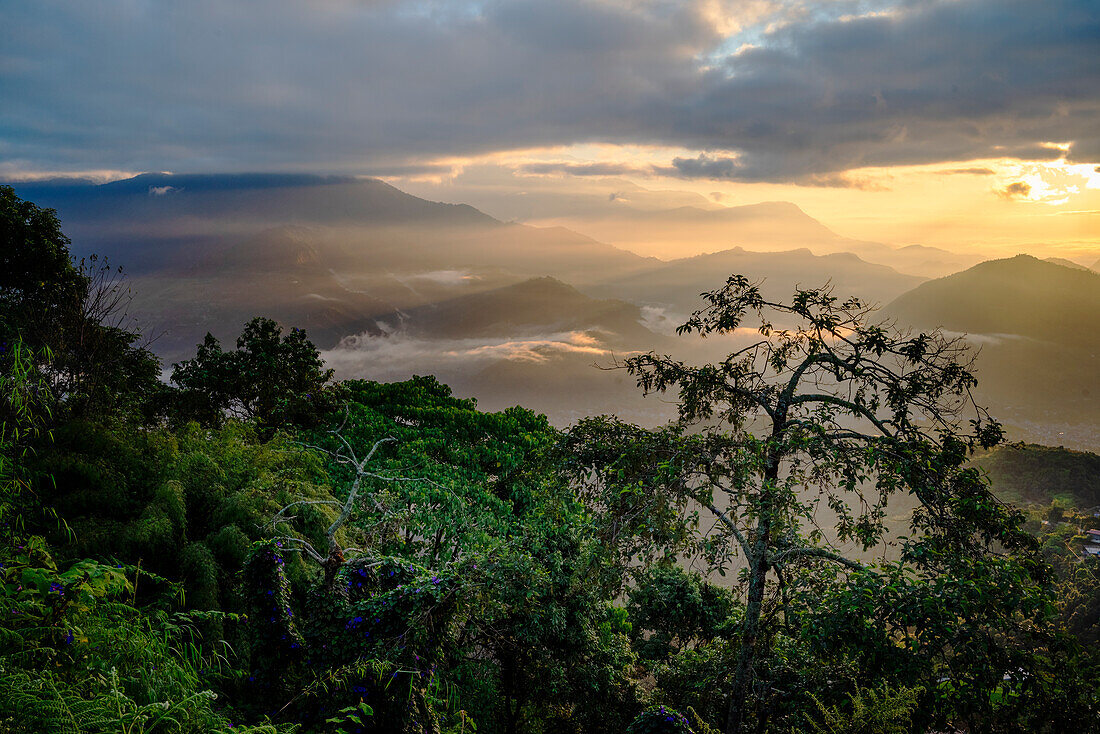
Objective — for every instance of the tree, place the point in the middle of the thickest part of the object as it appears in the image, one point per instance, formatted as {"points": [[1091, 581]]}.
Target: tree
{"points": [[476, 569], [270, 378], [71, 316], [673, 610], [38, 282], [825, 407]]}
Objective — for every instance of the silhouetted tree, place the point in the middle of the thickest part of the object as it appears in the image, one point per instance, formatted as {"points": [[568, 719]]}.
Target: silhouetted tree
{"points": [[828, 401], [271, 378], [72, 317]]}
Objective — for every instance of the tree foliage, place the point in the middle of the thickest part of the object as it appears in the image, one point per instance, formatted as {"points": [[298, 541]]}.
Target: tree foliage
{"points": [[71, 317], [272, 378], [827, 412]]}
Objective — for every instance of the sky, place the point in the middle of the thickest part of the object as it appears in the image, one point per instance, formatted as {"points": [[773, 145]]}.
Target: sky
{"points": [[956, 123]]}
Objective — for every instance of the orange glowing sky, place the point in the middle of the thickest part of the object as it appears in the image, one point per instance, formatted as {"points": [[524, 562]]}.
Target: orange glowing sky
{"points": [[992, 207]]}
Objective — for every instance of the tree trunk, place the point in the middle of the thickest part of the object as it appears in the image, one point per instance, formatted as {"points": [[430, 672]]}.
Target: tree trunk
{"points": [[332, 564], [424, 711], [744, 673]]}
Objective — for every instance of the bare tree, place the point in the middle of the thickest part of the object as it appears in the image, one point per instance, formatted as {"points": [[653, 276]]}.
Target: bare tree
{"points": [[332, 556]]}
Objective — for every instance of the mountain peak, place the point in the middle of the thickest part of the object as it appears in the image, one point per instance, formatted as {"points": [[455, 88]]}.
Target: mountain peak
{"points": [[1020, 295]]}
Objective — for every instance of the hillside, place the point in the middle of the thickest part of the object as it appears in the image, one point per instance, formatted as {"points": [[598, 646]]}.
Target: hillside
{"points": [[156, 222], [1027, 473], [540, 304], [1035, 323], [1021, 296], [1067, 263], [767, 226]]}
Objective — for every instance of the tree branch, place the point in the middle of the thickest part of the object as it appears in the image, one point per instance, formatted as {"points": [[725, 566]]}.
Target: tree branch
{"points": [[808, 552], [732, 527]]}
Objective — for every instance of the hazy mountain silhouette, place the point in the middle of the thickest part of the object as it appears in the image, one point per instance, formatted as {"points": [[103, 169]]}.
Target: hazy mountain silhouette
{"points": [[1067, 263], [767, 226], [677, 284], [207, 252], [538, 305], [1035, 322], [154, 222], [1022, 295]]}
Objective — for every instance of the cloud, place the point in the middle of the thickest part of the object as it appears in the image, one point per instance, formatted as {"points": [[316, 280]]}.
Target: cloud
{"points": [[397, 356], [1016, 190], [775, 90], [842, 181], [538, 350], [581, 169], [987, 339], [970, 172], [418, 169], [717, 168], [704, 166], [660, 320]]}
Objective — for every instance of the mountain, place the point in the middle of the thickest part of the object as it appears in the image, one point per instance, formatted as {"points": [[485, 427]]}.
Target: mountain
{"points": [[677, 284], [1021, 296], [539, 305], [767, 226], [1035, 324], [1027, 473], [922, 260], [208, 252], [1067, 263], [156, 222], [261, 197]]}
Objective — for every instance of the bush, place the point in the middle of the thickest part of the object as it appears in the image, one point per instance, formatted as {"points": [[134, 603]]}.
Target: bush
{"points": [[660, 720]]}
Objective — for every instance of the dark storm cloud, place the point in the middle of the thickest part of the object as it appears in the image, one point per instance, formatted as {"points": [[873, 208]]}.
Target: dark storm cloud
{"points": [[704, 166], [344, 85]]}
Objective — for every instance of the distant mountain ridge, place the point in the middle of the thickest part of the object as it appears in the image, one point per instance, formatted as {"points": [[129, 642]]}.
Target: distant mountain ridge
{"points": [[1067, 263], [537, 304], [1035, 323], [679, 282], [762, 227], [155, 221], [1021, 295], [265, 197]]}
